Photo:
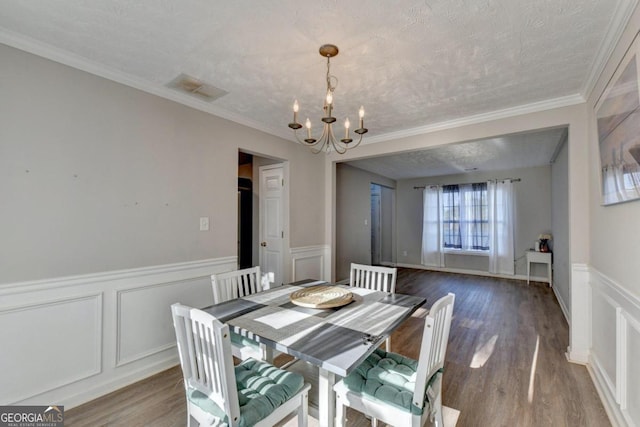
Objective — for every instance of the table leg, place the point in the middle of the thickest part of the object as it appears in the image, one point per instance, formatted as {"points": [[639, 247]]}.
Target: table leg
{"points": [[528, 270], [550, 274], [326, 398]]}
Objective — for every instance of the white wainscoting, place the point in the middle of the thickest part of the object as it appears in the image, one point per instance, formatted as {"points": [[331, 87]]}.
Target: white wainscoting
{"points": [[69, 340], [54, 343], [310, 262], [615, 348]]}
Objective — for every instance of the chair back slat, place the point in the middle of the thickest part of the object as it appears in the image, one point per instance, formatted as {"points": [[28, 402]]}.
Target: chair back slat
{"points": [[236, 284], [373, 277], [204, 346], [434, 344]]}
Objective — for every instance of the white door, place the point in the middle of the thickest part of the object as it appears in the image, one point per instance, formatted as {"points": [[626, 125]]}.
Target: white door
{"points": [[271, 222]]}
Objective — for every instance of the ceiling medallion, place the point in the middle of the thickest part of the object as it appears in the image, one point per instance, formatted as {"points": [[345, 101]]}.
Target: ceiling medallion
{"points": [[328, 141]]}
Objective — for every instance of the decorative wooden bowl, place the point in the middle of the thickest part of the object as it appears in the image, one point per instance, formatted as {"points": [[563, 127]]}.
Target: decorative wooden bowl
{"points": [[321, 296]]}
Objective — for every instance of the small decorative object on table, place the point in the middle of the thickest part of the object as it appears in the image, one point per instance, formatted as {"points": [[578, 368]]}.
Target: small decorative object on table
{"points": [[322, 296], [544, 242]]}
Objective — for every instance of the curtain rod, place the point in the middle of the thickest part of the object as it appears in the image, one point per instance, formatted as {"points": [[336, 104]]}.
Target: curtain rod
{"points": [[436, 185]]}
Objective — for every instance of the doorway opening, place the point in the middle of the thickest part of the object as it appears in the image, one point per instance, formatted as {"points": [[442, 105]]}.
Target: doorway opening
{"points": [[253, 243], [245, 210], [382, 211]]}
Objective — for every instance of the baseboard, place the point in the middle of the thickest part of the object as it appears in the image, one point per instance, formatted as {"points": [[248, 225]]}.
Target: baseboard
{"points": [[608, 401], [563, 306], [77, 399], [474, 272]]}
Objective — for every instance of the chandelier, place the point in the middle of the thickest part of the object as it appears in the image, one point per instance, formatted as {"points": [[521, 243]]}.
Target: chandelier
{"points": [[328, 140]]}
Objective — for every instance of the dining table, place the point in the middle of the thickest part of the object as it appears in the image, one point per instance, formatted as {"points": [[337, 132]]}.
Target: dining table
{"points": [[335, 339]]}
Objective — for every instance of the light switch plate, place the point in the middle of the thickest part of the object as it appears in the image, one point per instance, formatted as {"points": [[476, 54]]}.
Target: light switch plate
{"points": [[204, 223]]}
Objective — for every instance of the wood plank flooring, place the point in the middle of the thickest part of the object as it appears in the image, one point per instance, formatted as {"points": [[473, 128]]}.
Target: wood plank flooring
{"points": [[505, 363]]}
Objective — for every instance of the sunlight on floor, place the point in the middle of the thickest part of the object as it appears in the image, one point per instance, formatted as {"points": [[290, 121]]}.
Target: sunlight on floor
{"points": [[483, 354], [534, 365]]}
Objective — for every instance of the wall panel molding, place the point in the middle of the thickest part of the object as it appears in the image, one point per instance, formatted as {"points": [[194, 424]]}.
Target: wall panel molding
{"points": [[116, 325], [44, 357], [616, 393], [309, 262], [156, 331]]}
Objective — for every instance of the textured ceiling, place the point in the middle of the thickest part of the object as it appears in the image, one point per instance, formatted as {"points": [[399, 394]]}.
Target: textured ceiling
{"points": [[412, 64], [508, 152]]}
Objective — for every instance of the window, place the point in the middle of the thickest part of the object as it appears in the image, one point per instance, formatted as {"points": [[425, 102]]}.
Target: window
{"points": [[472, 219], [465, 217]]}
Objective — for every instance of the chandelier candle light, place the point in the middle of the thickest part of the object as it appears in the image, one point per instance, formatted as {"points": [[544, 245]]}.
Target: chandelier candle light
{"points": [[328, 140]]}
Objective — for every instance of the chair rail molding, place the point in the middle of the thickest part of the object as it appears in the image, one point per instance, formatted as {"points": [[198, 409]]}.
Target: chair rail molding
{"points": [[104, 348]]}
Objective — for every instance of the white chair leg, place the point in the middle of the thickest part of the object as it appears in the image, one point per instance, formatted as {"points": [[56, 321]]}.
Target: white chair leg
{"points": [[437, 405], [374, 422], [303, 411], [267, 353], [439, 422], [341, 414], [388, 345]]}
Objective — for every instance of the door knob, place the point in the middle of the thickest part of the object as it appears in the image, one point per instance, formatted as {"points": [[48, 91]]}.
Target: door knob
{"points": [[263, 244]]}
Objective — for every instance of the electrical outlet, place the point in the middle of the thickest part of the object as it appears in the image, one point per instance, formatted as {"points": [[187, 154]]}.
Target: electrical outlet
{"points": [[404, 253], [204, 223]]}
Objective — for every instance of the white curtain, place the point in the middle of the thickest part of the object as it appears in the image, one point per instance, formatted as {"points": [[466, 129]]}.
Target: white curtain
{"points": [[501, 251], [432, 255]]}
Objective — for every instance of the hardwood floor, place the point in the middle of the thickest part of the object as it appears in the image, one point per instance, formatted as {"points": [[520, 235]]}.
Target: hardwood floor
{"points": [[505, 363]]}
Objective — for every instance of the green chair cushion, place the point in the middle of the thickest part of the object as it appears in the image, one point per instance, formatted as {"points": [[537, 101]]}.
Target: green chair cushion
{"points": [[386, 377], [261, 389], [242, 341]]}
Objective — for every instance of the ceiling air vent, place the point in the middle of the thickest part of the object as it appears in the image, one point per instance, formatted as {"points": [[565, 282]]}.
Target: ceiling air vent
{"points": [[197, 88]]}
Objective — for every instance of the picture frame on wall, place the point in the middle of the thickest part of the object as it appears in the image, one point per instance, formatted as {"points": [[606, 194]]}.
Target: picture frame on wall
{"points": [[618, 120]]}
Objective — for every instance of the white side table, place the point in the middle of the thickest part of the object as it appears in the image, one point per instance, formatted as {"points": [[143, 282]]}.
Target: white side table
{"points": [[541, 258]]}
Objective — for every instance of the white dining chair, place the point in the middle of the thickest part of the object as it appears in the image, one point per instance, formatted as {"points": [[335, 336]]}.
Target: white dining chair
{"points": [[237, 284], [373, 277], [376, 278], [252, 393], [395, 389]]}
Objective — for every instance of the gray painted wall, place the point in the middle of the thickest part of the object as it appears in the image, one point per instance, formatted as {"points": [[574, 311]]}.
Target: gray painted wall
{"points": [[97, 176], [560, 226], [353, 216], [388, 225]]}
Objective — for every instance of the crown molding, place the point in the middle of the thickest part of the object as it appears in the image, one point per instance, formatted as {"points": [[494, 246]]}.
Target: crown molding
{"points": [[534, 107], [623, 11], [75, 61], [44, 50]]}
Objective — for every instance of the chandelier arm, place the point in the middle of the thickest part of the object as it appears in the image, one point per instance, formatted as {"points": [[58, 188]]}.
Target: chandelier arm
{"points": [[345, 146], [322, 141], [295, 132], [357, 143], [334, 142]]}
